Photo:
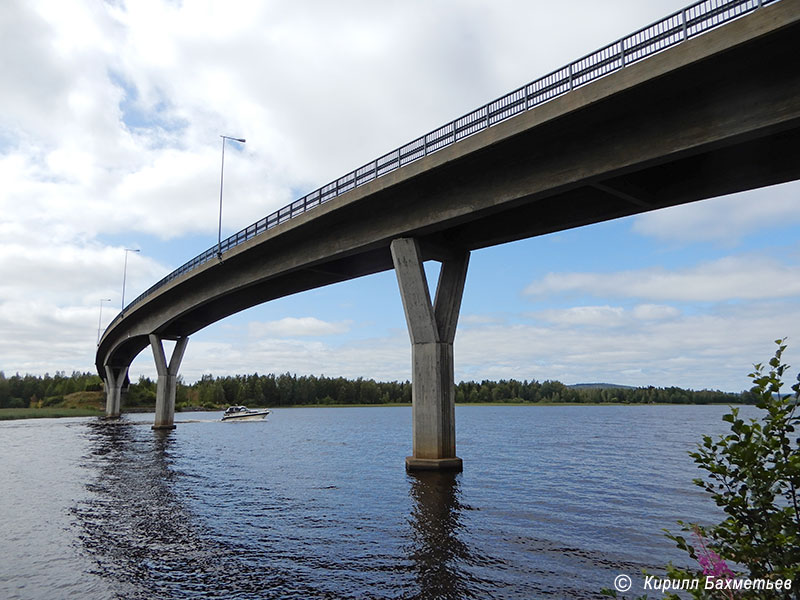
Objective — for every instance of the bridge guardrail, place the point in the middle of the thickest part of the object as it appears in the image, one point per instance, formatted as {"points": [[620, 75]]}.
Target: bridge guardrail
{"points": [[669, 31]]}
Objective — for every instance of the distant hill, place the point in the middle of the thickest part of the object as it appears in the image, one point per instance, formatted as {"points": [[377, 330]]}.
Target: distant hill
{"points": [[601, 386]]}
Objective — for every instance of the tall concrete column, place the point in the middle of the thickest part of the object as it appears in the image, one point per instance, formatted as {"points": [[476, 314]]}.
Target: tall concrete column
{"points": [[432, 329], [115, 379], [167, 380]]}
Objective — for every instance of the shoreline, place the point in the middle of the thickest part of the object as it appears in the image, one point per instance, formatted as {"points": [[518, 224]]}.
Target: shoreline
{"points": [[13, 414], [531, 404]]}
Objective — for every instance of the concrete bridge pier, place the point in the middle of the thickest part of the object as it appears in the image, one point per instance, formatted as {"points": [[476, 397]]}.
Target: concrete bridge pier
{"points": [[115, 379], [167, 380], [432, 329]]}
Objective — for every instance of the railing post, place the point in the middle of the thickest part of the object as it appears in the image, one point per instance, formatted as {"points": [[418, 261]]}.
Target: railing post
{"points": [[570, 76], [622, 52], [683, 19]]}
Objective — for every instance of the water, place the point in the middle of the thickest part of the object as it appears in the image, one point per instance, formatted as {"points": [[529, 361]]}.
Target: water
{"points": [[553, 502]]}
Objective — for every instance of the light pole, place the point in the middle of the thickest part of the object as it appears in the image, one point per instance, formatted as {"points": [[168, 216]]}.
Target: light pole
{"points": [[125, 274], [100, 318], [221, 174]]}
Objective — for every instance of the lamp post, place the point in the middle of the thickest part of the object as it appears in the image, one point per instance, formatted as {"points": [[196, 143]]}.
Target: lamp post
{"points": [[100, 318], [221, 174], [125, 274]]}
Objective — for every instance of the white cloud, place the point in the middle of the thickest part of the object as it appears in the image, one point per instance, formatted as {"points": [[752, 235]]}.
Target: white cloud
{"points": [[479, 319], [384, 359], [726, 219], [655, 312], [603, 316], [293, 327], [705, 349], [729, 278]]}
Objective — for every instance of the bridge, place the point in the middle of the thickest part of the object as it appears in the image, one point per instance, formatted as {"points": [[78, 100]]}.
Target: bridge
{"points": [[703, 103]]}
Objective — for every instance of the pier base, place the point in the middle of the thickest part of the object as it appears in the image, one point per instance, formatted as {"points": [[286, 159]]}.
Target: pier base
{"points": [[115, 378], [432, 329], [167, 380], [433, 464]]}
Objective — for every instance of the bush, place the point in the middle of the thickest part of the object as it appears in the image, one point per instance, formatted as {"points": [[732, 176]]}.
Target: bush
{"points": [[753, 474], [51, 401]]}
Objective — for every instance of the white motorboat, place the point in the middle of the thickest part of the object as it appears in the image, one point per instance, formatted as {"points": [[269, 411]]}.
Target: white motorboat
{"points": [[242, 413]]}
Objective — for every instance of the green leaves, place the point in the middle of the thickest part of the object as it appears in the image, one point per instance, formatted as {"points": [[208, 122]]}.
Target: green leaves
{"points": [[753, 473]]}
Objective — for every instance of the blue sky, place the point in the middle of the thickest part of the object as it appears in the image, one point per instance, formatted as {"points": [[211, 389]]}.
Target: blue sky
{"points": [[109, 139]]}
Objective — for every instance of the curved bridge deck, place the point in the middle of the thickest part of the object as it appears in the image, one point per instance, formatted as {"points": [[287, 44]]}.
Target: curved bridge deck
{"points": [[714, 114]]}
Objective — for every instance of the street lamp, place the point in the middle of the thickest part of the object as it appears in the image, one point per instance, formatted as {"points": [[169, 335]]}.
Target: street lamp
{"points": [[221, 173], [100, 318], [125, 274]]}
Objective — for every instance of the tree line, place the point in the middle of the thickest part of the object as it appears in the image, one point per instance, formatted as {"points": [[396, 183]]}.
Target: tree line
{"points": [[22, 391]]}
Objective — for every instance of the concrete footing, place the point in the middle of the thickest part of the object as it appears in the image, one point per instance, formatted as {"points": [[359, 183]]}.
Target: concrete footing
{"points": [[433, 464], [432, 329], [115, 379], [167, 380]]}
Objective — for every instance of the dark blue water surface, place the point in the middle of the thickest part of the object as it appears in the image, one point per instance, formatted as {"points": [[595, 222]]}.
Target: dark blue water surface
{"points": [[554, 502]]}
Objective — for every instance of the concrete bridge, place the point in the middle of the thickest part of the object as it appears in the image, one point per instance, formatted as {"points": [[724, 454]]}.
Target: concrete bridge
{"points": [[703, 103]]}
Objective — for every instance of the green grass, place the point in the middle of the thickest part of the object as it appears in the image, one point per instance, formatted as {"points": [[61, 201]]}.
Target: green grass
{"points": [[7, 414]]}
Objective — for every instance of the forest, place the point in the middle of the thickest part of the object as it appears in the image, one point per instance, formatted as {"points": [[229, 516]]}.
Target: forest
{"points": [[24, 391]]}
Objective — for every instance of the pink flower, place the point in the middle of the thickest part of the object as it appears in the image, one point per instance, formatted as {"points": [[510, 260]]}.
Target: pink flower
{"points": [[712, 563]]}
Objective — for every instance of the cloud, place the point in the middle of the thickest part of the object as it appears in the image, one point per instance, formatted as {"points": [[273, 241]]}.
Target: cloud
{"points": [[384, 359], [479, 319], [50, 300], [294, 327], [604, 316], [729, 278], [655, 312], [713, 348], [726, 219]]}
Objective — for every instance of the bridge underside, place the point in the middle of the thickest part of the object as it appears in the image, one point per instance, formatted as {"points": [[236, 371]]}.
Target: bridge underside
{"points": [[715, 115]]}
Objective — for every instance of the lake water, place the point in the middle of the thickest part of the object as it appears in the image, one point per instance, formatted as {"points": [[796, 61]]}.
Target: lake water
{"points": [[554, 502]]}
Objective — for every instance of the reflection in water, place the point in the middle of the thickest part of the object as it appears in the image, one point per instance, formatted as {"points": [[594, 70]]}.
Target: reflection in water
{"points": [[140, 535], [145, 542], [135, 528], [439, 555]]}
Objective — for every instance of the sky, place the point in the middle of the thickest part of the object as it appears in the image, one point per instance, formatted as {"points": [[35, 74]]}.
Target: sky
{"points": [[110, 117]]}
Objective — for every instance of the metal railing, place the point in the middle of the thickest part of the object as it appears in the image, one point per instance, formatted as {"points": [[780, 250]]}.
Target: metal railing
{"points": [[669, 31]]}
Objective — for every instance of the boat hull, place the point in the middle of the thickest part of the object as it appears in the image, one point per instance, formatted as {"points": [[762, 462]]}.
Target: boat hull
{"points": [[260, 416]]}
